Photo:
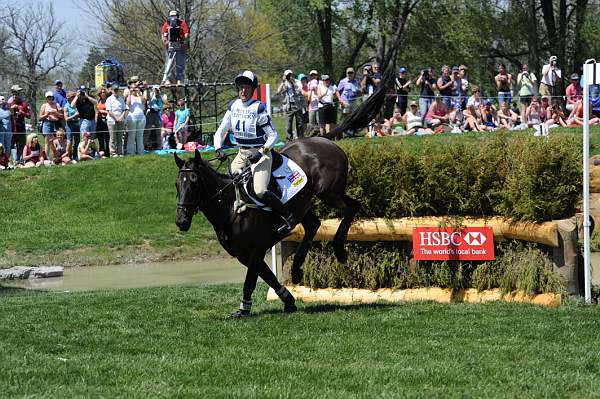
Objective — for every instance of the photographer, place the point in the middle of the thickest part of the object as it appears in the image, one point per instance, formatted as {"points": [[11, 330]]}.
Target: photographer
{"points": [[174, 33], [426, 84], [156, 103], [527, 83], [551, 75], [85, 105], [292, 104], [367, 83]]}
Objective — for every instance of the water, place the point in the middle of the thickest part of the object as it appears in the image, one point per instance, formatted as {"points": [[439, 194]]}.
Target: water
{"points": [[94, 278]]}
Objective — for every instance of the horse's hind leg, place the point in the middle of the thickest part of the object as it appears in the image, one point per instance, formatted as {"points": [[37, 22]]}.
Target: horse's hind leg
{"points": [[311, 225], [349, 207]]}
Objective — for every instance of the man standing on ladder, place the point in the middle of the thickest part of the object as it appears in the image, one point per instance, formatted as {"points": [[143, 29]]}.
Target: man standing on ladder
{"points": [[175, 32]]}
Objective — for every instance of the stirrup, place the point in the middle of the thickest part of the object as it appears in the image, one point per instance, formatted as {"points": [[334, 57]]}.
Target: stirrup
{"points": [[288, 224], [238, 314]]}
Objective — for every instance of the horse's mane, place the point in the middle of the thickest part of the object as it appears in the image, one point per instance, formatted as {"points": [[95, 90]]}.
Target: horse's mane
{"points": [[199, 163]]}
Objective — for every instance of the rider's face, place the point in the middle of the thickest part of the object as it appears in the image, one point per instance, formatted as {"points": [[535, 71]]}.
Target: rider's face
{"points": [[244, 91]]}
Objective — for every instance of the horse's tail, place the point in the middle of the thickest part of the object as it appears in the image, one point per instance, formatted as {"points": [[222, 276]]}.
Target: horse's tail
{"points": [[368, 110]]}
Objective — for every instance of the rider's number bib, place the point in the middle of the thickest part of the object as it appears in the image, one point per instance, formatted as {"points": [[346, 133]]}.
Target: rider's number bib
{"points": [[244, 123]]}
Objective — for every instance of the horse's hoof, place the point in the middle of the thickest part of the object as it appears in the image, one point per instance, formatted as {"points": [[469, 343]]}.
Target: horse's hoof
{"points": [[290, 308], [240, 314], [296, 276]]}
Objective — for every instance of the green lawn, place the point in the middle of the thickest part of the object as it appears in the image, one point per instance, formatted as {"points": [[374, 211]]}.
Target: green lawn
{"points": [[177, 342]]}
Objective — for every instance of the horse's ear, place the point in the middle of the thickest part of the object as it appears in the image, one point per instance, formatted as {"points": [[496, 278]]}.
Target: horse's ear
{"points": [[180, 162], [197, 157]]}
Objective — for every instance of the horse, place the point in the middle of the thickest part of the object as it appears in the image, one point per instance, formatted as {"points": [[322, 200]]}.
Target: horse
{"points": [[248, 236]]}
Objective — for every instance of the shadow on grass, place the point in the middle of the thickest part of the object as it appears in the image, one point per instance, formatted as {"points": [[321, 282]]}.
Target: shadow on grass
{"points": [[318, 308], [7, 290]]}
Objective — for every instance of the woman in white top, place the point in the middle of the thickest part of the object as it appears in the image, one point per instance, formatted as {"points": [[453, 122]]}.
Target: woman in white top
{"points": [[136, 120], [532, 114], [328, 95], [414, 121], [115, 119]]}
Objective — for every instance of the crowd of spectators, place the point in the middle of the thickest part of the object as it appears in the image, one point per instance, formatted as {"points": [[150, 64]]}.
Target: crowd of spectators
{"points": [[78, 126], [450, 102]]}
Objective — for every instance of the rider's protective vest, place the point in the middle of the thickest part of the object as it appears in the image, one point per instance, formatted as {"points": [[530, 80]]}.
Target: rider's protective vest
{"points": [[248, 122]]}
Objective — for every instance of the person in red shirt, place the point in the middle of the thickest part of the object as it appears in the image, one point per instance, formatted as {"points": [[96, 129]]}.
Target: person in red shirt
{"points": [[20, 112], [175, 32], [574, 92]]}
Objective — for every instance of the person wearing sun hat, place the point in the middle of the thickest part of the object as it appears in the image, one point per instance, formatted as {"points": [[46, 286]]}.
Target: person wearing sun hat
{"points": [[174, 33], [292, 104], [551, 75], [5, 124], [349, 90], [402, 84], [20, 111], [49, 115], [115, 119], [574, 92]]}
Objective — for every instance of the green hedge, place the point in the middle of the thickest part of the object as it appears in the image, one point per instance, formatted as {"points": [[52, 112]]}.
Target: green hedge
{"points": [[522, 177], [372, 266]]}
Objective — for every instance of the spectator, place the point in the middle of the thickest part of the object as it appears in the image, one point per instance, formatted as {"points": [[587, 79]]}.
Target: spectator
{"points": [[156, 103], [61, 148], [71, 117], [5, 124], [101, 126], [175, 31], [503, 84], [576, 117], [464, 85], [115, 119], [456, 117], [168, 122], [545, 108], [182, 120], [4, 162], [551, 76], [87, 150], [489, 115], [87, 113], [475, 99], [414, 121], [313, 104], [533, 114], [33, 156], [473, 119], [574, 92], [327, 95], [426, 83], [20, 111], [377, 75], [438, 113], [367, 83], [395, 123], [348, 91], [49, 115], [402, 90], [136, 120], [303, 79], [292, 103], [378, 127], [456, 86], [60, 98], [527, 83], [557, 116], [507, 119], [445, 84]]}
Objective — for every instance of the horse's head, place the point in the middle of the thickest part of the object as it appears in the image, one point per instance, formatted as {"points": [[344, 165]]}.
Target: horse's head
{"points": [[188, 185]]}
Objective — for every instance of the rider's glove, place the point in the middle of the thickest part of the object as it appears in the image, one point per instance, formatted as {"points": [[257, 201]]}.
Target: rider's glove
{"points": [[221, 154], [255, 157]]}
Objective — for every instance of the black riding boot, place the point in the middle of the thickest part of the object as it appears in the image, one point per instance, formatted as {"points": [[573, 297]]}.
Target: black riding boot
{"points": [[275, 203]]}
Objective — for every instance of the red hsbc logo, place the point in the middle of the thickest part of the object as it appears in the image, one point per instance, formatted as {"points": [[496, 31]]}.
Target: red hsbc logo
{"points": [[448, 243]]}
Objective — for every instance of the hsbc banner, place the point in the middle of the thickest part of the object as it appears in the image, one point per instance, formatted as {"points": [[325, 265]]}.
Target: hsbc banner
{"points": [[448, 243]]}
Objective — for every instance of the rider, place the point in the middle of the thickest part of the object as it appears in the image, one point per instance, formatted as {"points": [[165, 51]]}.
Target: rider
{"points": [[255, 134]]}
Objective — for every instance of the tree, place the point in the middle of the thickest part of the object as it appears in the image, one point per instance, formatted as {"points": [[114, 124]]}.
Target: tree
{"points": [[36, 43]]}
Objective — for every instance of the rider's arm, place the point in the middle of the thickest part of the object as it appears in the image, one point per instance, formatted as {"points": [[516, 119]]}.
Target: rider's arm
{"points": [[222, 130], [264, 122]]}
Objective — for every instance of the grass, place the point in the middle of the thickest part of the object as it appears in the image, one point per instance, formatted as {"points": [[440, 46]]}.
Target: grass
{"points": [[116, 211], [177, 341]]}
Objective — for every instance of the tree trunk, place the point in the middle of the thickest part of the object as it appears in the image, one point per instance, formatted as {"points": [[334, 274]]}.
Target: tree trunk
{"points": [[324, 22], [579, 45], [532, 37]]}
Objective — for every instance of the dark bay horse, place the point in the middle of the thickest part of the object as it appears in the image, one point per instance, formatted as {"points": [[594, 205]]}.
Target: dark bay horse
{"points": [[248, 236]]}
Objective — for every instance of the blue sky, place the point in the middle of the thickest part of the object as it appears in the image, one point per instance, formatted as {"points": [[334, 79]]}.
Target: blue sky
{"points": [[70, 13]]}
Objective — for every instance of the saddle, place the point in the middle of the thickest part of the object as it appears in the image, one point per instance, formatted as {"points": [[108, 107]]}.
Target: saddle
{"points": [[284, 174]]}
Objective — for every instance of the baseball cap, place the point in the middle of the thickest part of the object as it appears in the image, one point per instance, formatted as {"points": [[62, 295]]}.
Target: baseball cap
{"points": [[87, 134], [402, 70], [574, 76], [115, 86], [349, 69], [368, 67], [173, 13], [15, 88], [487, 101], [462, 67], [313, 72], [454, 69], [288, 72], [413, 103], [133, 79], [2, 98], [325, 77], [553, 58], [48, 94], [301, 76], [56, 82], [82, 87]]}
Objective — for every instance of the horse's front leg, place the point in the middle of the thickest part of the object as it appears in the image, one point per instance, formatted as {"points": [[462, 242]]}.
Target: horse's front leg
{"points": [[249, 286]]}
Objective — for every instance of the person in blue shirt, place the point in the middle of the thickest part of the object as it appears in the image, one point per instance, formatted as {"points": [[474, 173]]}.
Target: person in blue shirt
{"points": [[182, 120], [60, 98]]}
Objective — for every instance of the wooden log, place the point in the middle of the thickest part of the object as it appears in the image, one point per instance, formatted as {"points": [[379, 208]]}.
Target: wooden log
{"points": [[379, 229]]}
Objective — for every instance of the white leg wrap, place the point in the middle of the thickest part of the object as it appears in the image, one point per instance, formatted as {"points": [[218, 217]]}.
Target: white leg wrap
{"points": [[246, 305]]}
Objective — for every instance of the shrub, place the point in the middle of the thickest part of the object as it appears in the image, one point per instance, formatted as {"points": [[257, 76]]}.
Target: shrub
{"points": [[521, 177]]}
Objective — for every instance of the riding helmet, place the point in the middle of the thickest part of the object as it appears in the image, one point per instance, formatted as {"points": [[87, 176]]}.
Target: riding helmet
{"points": [[247, 77]]}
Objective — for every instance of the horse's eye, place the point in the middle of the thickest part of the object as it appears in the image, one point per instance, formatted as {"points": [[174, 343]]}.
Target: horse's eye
{"points": [[193, 178]]}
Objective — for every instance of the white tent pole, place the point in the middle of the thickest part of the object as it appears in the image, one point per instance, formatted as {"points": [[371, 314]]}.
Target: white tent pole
{"points": [[588, 70]]}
